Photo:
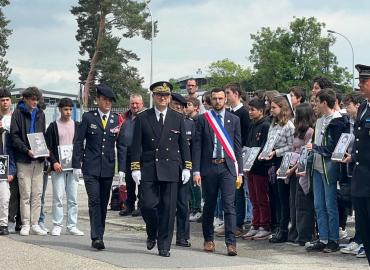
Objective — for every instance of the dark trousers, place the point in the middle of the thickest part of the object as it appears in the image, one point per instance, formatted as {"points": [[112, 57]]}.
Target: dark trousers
{"points": [[274, 205], [182, 212], [283, 190], [240, 206], [14, 206], [362, 216], [130, 187], [158, 208], [196, 197], [344, 209], [258, 192], [98, 192], [302, 213], [219, 179]]}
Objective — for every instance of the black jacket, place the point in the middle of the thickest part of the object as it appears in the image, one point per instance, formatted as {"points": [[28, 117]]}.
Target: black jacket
{"points": [[257, 137], [160, 155], [19, 128], [245, 123], [52, 141]]}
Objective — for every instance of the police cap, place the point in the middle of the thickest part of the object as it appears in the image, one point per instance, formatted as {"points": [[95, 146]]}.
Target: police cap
{"points": [[161, 87], [363, 71], [179, 98], [104, 90]]}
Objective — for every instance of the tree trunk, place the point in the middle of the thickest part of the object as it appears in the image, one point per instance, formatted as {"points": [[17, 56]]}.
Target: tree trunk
{"points": [[94, 61]]}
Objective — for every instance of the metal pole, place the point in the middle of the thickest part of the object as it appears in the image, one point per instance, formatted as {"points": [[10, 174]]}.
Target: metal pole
{"points": [[353, 56], [151, 52]]}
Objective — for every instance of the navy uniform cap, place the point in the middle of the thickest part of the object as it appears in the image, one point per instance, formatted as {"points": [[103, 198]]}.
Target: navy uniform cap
{"points": [[161, 87], [179, 98], [363, 71], [106, 91]]}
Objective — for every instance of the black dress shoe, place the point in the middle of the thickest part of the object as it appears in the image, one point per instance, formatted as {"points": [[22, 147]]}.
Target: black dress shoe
{"points": [[150, 244], [136, 213], [125, 212], [4, 230], [164, 253], [98, 244], [183, 243]]}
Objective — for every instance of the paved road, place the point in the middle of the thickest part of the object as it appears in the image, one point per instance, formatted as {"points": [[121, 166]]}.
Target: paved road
{"points": [[125, 242]]}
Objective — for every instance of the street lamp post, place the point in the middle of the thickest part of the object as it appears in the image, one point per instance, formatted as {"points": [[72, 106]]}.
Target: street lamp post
{"points": [[353, 56], [151, 52]]}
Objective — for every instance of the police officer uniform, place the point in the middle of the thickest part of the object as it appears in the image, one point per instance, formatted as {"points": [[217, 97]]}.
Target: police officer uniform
{"points": [[184, 190], [360, 184], [159, 152], [100, 132]]}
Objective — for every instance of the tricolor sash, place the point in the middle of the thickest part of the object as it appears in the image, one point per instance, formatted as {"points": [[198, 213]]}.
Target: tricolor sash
{"points": [[222, 136]]}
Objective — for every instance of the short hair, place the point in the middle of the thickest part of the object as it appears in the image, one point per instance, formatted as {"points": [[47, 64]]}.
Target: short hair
{"points": [[65, 102], [135, 95], [323, 82], [299, 92], [328, 95], [257, 103], [192, 79], [5, 93], [32, 92], [193, 100], [271, 94], [354, 97], [217, 90], [234, 87], [207, 98], [259, 94]]}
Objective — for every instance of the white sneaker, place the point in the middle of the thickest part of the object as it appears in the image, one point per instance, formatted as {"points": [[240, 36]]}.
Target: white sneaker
{"points": [[252, 232], [56, 231], [262, 234], [361, 253], [25, 231], [42, 226], [218, 222], [75, 231], [36, 229], [11, 227], [196, 216], [342, 234], [351, 248], [220, 228]]}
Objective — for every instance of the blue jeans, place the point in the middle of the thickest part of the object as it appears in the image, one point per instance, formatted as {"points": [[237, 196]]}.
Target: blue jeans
{"points": [[248, 204], [64, 182], [45, 185], [326, 208]]}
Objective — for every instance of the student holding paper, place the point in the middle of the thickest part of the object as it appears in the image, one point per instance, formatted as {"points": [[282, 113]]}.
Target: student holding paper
{"points": [[62, 132], [28, 118]]}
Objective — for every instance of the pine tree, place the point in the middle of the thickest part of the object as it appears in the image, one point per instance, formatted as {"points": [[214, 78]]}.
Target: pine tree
{"points": [[5, 71], [99, 21]]}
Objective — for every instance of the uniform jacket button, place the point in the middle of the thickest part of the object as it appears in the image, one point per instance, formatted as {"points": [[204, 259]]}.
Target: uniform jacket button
{"points": [[156, 149], [357, 163], [357, 139], [102, 153], [156, 159], [152, 139], [169, 138], [166, 149], [166, 159], [105, 132], [356, 151], [359, 128]]}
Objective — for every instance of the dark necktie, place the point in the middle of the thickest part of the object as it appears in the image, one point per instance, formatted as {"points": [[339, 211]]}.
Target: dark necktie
{"points": [[218, 144], [160, 121]]}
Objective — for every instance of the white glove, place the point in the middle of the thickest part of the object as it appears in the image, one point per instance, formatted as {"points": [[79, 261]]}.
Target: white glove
{"points": [[136, 175], [121, 176], [76, 174], [185, 176]]}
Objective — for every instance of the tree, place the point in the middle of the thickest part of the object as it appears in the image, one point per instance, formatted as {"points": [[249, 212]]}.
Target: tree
{"points": [[286, 57], [98, 22], [225, 71], [5, 71]]}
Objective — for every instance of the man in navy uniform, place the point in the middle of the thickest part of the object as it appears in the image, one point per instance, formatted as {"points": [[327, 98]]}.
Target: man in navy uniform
{"points": [[160, 159], [178, 103], [360, 184], [215, 170], [100, 129]]}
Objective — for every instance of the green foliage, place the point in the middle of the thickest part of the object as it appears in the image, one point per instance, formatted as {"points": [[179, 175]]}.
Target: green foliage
{"points": [[176, 86], [286, 57], [5, 71], [226, 71], [123, 19]]}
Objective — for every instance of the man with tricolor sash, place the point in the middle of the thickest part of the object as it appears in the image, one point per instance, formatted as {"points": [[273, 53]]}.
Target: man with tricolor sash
{"points": [[217, 166]]}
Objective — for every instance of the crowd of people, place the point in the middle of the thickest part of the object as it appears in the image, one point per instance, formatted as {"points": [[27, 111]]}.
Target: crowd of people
{"points": [[183, 158]]}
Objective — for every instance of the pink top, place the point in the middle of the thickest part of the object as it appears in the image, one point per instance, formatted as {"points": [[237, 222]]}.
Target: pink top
{"points": [[66, 131]]}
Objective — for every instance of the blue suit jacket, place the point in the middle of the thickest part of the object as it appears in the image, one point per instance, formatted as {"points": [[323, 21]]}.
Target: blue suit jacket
{"points": [[203, 144]]}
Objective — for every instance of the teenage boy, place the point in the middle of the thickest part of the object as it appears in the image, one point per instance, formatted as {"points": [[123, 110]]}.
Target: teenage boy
{"points": [[257, 176], [28, 118], [62, 133], [325, 172]]}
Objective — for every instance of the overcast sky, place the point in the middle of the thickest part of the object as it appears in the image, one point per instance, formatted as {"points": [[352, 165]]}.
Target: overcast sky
{"points": [[192, 34]]}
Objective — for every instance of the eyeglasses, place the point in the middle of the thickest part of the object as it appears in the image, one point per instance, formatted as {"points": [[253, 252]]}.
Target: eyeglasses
{"points": [[161, 95], [191, 85]]}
